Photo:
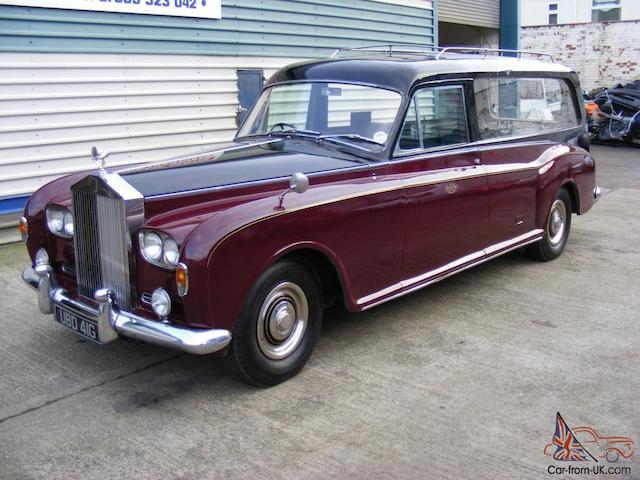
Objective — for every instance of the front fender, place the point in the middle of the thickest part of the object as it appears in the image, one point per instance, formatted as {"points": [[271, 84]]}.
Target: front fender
{"points": [[225, 263], [229, 251]]}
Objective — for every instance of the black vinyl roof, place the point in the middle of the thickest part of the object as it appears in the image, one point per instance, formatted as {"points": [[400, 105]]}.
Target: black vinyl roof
{"points": [[398, 72]]}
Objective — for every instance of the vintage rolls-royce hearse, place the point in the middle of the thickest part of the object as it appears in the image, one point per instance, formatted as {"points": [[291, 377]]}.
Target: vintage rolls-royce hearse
{"points": [[357, 178]]}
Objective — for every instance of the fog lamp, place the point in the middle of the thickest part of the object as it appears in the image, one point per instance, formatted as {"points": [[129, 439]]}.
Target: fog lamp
{"points": [[161, 303]]}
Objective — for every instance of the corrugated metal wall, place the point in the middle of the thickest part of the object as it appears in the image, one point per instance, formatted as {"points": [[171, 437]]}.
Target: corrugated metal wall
{"points": [[138, 107], [288, 28], [147, 87], [481, 13]]}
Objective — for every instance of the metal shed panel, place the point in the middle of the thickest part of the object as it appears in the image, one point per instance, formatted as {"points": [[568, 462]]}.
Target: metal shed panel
{"points": [[146, 87], [288, 28], [139, 107], [480, 13]]}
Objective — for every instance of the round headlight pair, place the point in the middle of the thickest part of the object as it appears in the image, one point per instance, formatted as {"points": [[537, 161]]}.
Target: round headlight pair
{"points": [[159, 248], [59, 221]]}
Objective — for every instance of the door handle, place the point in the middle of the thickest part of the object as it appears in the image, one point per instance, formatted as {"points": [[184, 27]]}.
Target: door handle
{"points": [[477, 161]]}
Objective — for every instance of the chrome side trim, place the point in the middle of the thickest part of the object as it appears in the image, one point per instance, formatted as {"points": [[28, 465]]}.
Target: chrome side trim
{"points": [[538, 233], [431, 178], [546, 168], [113, 322], [474, 147], [445, 268], [548, 156], [415, 283]]}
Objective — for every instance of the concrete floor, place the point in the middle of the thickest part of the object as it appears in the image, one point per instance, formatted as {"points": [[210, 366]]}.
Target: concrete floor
{"points": [[458, 381]]}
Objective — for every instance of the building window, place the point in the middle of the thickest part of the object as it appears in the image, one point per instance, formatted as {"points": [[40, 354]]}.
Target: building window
{"points": [[605, 11], [553, 13]]}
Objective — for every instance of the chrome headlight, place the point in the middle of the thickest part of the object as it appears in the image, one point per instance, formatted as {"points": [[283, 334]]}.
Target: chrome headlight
{"points": [[152, 246], [68, 224], [59, 221], [159, 248]]}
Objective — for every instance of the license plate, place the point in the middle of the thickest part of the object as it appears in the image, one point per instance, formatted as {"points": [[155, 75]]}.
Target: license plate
{"points": [[79, 324]]}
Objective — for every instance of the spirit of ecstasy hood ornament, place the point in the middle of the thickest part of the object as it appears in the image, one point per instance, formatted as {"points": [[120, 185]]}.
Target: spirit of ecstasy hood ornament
{"points": [[99, 158]]}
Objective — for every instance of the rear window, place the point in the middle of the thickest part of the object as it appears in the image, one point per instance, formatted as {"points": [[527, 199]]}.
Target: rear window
{"points": [[523, 106]]}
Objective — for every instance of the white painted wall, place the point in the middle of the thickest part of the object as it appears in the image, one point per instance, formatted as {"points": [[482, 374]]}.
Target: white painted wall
{"points": [[603, 54], [138, 107], [536, 12]]}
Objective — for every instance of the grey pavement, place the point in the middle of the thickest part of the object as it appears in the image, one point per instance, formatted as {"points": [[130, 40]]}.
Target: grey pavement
{"points": [[461, 380]]}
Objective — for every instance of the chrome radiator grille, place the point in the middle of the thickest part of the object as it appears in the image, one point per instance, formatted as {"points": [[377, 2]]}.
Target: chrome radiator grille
{"points": [[102, 259]]}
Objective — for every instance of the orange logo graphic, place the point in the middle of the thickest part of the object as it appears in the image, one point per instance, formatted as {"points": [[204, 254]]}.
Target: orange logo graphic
{"points": [[584, 443]]}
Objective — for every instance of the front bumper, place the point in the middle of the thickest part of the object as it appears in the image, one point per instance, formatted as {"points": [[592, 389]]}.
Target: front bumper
{"points": [[113, 322]]}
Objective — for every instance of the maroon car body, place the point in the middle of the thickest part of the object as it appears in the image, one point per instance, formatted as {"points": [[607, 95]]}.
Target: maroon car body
{"points": [[372, 225]]}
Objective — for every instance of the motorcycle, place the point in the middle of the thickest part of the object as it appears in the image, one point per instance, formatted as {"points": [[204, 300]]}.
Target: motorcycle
{"points": [[614, 113]]}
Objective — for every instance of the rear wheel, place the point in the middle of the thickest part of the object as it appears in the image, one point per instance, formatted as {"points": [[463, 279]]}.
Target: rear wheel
{"points": [[278, 327], [556, 232]]}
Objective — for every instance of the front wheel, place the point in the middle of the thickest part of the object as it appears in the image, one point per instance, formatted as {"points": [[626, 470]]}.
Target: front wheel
{"points": [[556, 232], [278, 326]]}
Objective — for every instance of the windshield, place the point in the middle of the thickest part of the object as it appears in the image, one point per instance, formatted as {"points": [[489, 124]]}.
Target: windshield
{"points": [[352, 113]]}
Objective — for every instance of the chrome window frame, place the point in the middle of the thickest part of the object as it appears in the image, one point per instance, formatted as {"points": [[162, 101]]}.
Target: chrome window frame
{"points": [[399, 152], [578, 113]]}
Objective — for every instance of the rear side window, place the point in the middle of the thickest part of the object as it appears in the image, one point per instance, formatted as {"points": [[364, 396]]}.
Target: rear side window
{"points": [[436, 118], [523, 106]]}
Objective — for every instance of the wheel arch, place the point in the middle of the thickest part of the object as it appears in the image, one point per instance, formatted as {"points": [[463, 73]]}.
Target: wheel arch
{"points": [[572, 189], [327, 268]]}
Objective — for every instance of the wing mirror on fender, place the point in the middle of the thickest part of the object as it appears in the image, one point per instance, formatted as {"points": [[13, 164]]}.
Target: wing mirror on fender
{"points": [[298, 183]]}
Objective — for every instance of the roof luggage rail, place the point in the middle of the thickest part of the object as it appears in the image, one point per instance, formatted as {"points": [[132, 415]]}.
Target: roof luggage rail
{"points": [[390, 49], [439, 53], [497, 51]]}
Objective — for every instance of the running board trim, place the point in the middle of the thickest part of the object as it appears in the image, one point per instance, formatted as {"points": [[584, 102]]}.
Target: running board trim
{"points": [[432, 276]]}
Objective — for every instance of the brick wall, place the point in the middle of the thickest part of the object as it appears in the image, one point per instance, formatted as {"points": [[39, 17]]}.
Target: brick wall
{"points": [[603, 54]]}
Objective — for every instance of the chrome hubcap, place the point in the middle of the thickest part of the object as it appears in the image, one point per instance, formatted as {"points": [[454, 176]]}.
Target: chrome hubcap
{"points": [[557, 222], [282, 320]]}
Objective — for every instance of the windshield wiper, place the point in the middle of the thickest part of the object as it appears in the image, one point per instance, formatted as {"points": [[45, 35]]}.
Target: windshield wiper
{"points": [[297, 131], [351, 136]]}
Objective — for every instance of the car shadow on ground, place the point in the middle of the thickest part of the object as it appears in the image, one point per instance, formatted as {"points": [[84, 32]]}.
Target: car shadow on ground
{"points": [[164, 377], [209, 376]]}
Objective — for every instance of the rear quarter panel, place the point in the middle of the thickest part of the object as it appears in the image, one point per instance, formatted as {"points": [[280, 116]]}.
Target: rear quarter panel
{"points": [[574, 171]]}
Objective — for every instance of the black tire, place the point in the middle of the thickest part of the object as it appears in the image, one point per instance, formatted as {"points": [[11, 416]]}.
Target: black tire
{"points": [[254, 354], [552, 244]]}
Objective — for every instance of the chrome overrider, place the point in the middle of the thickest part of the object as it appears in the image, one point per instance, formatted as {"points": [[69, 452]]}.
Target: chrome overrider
{"points": [[113, 322], [597, 193]]}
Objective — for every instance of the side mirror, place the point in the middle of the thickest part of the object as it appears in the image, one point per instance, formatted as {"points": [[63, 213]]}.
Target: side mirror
{"points": [[299, 182]]}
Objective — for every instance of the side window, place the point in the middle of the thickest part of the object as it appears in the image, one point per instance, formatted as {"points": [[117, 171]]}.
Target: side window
{"points": [[436, 118], [523, 106]]}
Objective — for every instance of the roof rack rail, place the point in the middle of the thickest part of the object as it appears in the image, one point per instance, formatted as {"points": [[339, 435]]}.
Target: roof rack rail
{"points": [[438, 53], [487, 51], [390, 49]]}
